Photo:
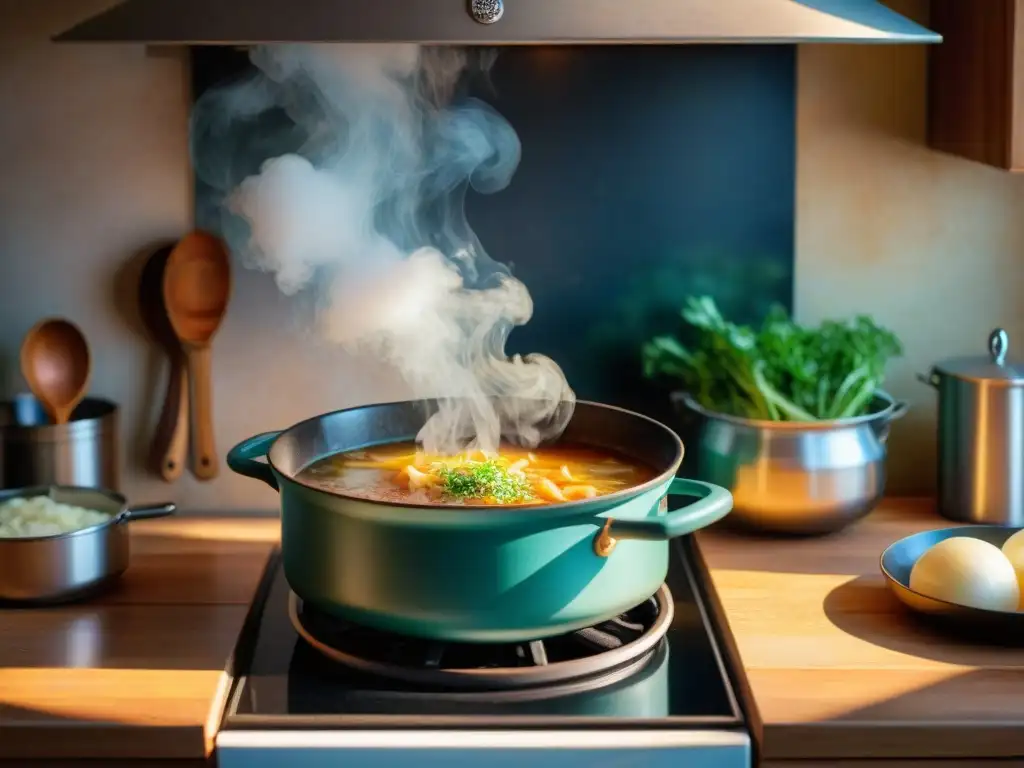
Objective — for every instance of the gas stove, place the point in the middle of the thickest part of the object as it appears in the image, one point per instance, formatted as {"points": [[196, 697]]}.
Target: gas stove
{"points": [[652, 687]]}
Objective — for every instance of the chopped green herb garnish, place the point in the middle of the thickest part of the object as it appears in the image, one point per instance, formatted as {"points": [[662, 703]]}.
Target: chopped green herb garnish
{"points": [[484, 480]]}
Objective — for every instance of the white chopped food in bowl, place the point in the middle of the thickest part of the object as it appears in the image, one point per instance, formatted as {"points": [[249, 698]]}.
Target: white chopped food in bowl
{"points": [[42, 516]]}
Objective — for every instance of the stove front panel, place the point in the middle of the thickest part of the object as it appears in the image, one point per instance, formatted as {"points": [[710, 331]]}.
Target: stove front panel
{"points": [[472, 749]]}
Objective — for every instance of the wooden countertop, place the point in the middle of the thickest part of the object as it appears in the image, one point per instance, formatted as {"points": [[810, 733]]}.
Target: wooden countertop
{"points": [[141, 671], [838, 669]]}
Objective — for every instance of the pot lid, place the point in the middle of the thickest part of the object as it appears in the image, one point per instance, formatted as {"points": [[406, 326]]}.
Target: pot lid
{"points": [[993, 367]]}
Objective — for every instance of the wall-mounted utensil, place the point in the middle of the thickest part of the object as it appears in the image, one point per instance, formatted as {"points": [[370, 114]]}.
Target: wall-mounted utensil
{"points": [[55, 362], [196, 288], [83, 452], [170, 445], [69, 566], [981, 436]]}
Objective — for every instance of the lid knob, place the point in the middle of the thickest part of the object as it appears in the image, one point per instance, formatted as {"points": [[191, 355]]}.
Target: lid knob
{"points": [[486, 11], [998, 345]]}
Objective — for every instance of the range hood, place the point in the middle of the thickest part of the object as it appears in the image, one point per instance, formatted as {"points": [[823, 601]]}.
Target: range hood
{"points": [[499, 22]]}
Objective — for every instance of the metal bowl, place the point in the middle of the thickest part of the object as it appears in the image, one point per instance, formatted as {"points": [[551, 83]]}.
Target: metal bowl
{"points": [[794, 477], [898, 559]]}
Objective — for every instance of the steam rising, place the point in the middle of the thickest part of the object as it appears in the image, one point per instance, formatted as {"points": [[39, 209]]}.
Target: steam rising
{"points": [[357, 200]]}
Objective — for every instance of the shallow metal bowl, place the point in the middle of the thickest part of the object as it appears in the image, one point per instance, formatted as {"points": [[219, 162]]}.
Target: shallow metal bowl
{"points": [[992, 626]]}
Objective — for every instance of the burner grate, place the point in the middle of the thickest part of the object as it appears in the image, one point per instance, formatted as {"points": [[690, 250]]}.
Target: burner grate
{"points": [[625, 641]]}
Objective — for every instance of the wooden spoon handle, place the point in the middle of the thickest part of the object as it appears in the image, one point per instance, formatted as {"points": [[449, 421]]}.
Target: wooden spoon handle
{"points": [[204, 454], [172, 462]]}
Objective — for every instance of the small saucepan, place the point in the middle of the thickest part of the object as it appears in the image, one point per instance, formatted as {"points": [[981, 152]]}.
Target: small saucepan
{"points": [[70, 566]]}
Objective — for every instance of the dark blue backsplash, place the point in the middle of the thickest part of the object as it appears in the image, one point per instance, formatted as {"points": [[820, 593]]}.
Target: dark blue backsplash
{"points": [[648, 173]]}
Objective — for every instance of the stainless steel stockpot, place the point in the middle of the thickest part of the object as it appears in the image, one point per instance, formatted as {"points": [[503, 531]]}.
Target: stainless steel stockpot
{"points": [[34, 451], [68, 566], [981, 436]]}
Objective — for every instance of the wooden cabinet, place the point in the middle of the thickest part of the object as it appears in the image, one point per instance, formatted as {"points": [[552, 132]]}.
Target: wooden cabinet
{"points": [[976, 81]]}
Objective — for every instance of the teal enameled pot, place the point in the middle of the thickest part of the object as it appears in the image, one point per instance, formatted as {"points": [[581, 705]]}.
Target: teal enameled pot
{"points": [[476, 573]]}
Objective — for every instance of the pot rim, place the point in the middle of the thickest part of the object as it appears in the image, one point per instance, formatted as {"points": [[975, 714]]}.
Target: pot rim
{"points": [[106, 413], [981, 381], [495, 511], [47, 490], [893, 410]]}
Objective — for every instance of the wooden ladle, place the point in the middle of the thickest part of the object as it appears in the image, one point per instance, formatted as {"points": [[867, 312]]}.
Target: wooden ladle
{"points": [[55, 362], [196, 288], [170, 446]]}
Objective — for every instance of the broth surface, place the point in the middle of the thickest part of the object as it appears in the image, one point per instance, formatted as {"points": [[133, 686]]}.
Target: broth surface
{"points": [[400, 473]]}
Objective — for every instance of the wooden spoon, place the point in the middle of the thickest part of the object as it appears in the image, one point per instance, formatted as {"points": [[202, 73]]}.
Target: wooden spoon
{"points": [[55, 363], [170, 445], [196, 288]]}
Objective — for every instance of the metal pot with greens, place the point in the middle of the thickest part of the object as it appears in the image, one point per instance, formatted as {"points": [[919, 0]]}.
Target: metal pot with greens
{"points": [[792, 418]]}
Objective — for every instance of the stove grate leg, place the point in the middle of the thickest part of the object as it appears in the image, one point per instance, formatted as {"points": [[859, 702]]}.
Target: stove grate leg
{"points": [[435, 652], [538, 653]]}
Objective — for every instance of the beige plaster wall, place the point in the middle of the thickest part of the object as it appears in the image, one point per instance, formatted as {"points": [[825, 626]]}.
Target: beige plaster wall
{"points": [[93, 157]]}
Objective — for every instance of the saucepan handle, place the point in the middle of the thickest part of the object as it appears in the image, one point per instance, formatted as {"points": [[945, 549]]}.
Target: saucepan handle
{"points": [[131, 514], [882, 428], [713, 503], [243, 458], [686, 407]]}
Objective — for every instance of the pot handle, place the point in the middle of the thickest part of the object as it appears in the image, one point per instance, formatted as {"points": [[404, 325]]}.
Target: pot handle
{"points": [[132, 514], [714, 503], [685, 405], [899, 410], [242, 458]]}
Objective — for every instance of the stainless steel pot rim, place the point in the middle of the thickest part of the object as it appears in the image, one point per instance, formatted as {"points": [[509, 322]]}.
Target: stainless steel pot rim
{"points": [[946, 603], [556, 509], [105, 410], [894, 409], [984, 381], [992, 370], [47, 490]]}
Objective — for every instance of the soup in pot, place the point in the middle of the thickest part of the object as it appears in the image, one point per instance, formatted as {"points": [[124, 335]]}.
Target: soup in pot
{"points": [[400, 473]]}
